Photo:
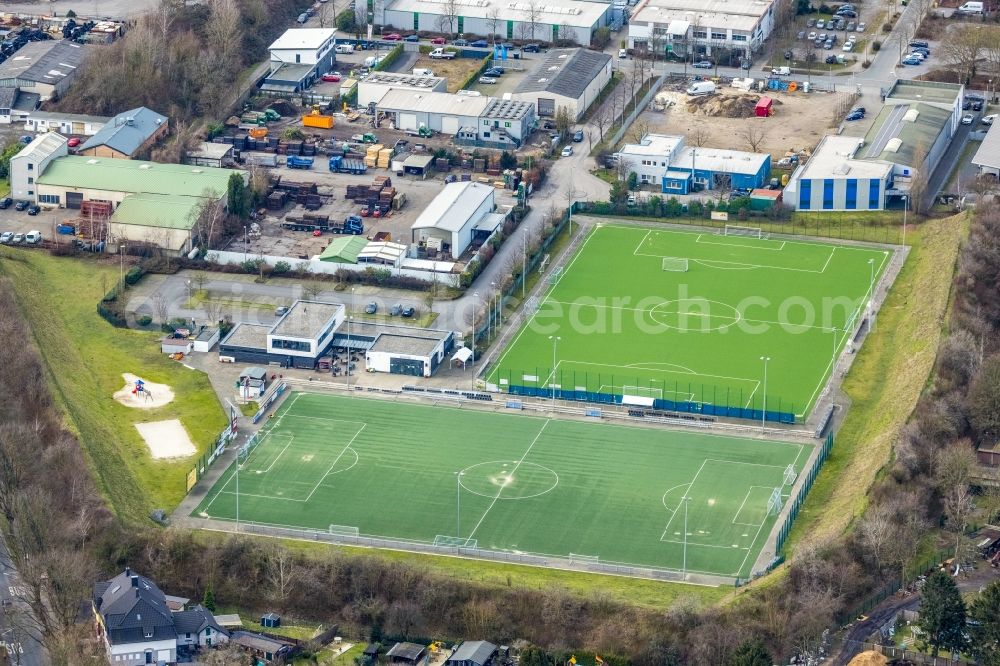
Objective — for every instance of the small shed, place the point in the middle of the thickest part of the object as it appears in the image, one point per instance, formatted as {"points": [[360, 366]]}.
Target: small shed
{"points": [[407, 654], [252, 384], [269, 620], [417, 165], [207, 338], [763, 198], [176, 346], [989, 454], [216, 155], [764, 108], [344, 250]]}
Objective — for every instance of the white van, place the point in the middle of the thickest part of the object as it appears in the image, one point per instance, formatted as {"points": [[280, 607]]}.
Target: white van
{"points": [[371, 61], [971, 8], [422, 71], [622, 54], [782, 71], [344, 48], [701, 88], [33, 237]]}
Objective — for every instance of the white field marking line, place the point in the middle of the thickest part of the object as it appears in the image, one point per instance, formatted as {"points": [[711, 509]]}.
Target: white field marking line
{"points": [[690, 485], [744, 503], [736, 265], [748, 464], [749, 247], [291, 499], [323, 478], [667, 492], [641, 242], [752, 543], [284, 413], [324, 418], [790, 241], [692, 544], [683, 368], [752, 394], [499, 492], [527, 324], [828, 259], [840, 348], [291, 438], [697, 374]]}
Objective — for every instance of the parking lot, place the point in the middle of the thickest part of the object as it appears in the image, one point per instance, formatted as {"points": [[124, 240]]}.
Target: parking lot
{"points": [[19, 222]]}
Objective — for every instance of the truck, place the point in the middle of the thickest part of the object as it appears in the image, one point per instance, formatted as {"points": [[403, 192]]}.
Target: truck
{"points": [[352, 225], [296, 162], [442, 54], [340, 164], [701, 88]]}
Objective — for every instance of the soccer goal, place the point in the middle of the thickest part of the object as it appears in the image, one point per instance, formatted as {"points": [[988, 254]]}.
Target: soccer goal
{"points": [[675, 264], [576, 558], [736, 230], [643, 392], [448, 541], [774, 502], [554, 276], [344, 530], [790, 475]]}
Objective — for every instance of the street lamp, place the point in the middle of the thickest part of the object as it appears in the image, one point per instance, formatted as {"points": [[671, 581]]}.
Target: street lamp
{"points": [[552, 382], [686, 499], [906, 206], [871, 295], [493, 296], [472, 342], [763, 412], [189, 292], [244, 242], [458, 504], [524, 260]]}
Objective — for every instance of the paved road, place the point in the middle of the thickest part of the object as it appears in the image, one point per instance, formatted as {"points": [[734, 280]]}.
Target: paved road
{"points": [[84, 8], [23, 648]]}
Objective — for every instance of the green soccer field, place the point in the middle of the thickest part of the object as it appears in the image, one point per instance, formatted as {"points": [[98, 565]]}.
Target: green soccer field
{"points": [[527, 484], [617, 321]]}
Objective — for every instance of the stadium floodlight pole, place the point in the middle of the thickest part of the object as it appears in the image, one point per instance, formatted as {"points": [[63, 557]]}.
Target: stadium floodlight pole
{"points": [[472, 342], [458, 504], [238, 489], [493, 296], [686, 499], [871, 291], [763, 412], [555, 339], [906, 206], [524, 260], [244, 242]]}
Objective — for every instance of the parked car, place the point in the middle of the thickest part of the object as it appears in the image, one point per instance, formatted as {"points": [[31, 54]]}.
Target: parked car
{"points": [[488, 80], [854, 115], [33, 237], [810, 23], [17, 239], [820, 23], [988, 120], [850, 26], [461, 42], [812, 36], [21, 205], [567, 151], [847, 13], [480, 44], [859, 109], [396, 310], [830, 60], [703, 64], [6, 237], [439, 41], [967, 119], [535, 48], [823, 36], [392, 37], [408, 311], [828, 44], [977, 105], [911, 61], [966, 104], [6, 202], [331, 77], [801, 34], [34, 209], [847, 47], [861, 27], [73, 143], [371, 308], [578, 136], [280, 311], [26, 139], [494, 71], [919, 56], [412, 38], [919, 44]]}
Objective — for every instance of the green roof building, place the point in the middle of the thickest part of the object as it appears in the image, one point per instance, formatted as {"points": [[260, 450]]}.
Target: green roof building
{"points": [[344, 250]]}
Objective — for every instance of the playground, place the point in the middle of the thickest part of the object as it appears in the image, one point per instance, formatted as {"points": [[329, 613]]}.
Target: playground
{"points": [[141, 394]]}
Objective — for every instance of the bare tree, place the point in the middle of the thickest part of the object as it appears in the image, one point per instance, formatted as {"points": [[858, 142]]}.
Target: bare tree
{"points": [[639, 130], [326, 12], [493, 21], [753, 135], [224, 28], [281, 573], [600, 119], [876, 531], [160, 308], [699, 136], [534, 12], [209, 216], [960, 50]]}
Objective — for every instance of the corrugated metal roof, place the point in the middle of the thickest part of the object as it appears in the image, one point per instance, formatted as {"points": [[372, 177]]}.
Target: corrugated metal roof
{"points": [[157, 210], [988, 154], [565, 72], [344, 250], [432, 102], [68, 117], [43, 146], [135, 176], [46, 62], [127, 131], [451, 209]]}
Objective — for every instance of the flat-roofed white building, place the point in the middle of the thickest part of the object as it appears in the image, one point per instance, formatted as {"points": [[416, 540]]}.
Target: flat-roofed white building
{"points": [[65, 123], [834, 178], [545, 20], [650, 158], [987, 158], [686, 27], [299, 57], [377, 84], [448, 224], [441, 112]]}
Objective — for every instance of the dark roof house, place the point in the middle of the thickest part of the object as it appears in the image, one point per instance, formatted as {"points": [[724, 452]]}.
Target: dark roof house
{"points": [[473, 653], [265, 647], [195, 621], [406, 653], [133, 609], [565, 72], [126, 134]]}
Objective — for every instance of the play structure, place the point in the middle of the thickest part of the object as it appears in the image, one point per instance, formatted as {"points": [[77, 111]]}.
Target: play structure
{"points": [[140, 392]]}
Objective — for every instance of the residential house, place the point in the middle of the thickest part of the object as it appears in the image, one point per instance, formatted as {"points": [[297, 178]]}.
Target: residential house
{"points": [[16, 106], [473, 653], [127, 134]]}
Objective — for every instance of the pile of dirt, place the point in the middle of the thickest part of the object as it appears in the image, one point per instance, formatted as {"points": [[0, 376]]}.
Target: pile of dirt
{"points": [[870, 658], [285, 108], [724, 106]]}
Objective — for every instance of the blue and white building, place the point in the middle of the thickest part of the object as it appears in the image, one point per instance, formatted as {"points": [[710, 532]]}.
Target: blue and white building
{"points": [[664, 160], [835, 178]]}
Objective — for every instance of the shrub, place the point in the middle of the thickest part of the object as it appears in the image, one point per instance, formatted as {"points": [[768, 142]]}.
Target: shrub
{"points": [[281, 267], [143, 320], [876, 45]]}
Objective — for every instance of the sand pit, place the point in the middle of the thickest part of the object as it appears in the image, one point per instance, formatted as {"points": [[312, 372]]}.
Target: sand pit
{"points": [[166, 439], [155, 395]]}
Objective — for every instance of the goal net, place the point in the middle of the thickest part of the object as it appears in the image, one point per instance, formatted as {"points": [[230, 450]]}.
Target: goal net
{"points": [[774, 502], [244, 451], [344, 530], [736, 230], [790, 475], [448, 541], [554, 276], [643, 391], [576, 558], [677, 264]]}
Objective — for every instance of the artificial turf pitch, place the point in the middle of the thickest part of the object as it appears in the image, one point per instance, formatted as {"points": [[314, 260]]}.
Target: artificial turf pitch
{"points": [[616, 322], [528, 484]]}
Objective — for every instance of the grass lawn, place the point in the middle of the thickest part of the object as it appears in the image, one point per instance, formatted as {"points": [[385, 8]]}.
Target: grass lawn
{"points": [[325, 657], [85, 357], [525, 484], [886, 380], [619, 322]]}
